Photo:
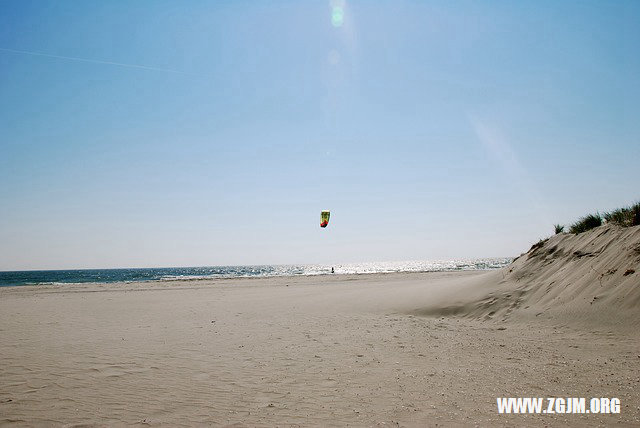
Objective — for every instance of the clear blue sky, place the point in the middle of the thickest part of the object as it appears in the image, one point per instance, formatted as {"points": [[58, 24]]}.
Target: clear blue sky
{"points": [[182, 133]]}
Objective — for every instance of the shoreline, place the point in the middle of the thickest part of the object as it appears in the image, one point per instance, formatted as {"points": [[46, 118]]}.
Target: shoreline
{"points": [[81, 276], [215, 281]]}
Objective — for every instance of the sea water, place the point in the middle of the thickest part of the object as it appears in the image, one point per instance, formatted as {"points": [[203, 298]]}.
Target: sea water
{"points": [[78, 276]]}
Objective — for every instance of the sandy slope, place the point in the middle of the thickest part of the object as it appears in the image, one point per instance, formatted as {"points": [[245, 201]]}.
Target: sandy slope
{"points": [[587, 280], [331, 350]]}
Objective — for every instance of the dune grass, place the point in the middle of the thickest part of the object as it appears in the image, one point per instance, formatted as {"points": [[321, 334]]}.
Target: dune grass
{"points": [[627, 216], [587, 222]]}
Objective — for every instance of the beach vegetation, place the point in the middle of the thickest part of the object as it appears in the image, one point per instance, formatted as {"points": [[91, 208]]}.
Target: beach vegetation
{"points": [[587, 222], [625, 217]]}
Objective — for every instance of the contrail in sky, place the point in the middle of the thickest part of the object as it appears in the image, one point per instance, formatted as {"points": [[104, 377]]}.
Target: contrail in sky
{"points": [[93, 61]]}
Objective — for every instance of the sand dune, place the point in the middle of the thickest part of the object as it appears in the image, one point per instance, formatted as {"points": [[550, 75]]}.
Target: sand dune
{"points": [[591, 279]]}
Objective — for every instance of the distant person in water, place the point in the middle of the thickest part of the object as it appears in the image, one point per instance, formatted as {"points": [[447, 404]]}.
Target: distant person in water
{"points": [[332, 271]]}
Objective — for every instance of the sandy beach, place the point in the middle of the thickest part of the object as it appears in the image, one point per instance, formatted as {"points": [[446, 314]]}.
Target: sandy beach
{"points": [[361, 350], [319, 214]]}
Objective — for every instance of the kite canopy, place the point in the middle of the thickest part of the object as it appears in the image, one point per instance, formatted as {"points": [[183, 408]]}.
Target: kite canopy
{"points": [[324, 218]]}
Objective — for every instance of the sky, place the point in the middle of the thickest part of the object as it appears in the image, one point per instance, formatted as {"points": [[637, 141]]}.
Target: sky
{"points": [[190, 133]]}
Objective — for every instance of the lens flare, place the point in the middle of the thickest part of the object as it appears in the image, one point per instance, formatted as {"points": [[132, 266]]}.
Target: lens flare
{"points": [[337, 16]]}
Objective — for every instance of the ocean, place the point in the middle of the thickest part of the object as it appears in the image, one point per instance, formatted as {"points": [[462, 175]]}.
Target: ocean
{"points": [[81, 276]]}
